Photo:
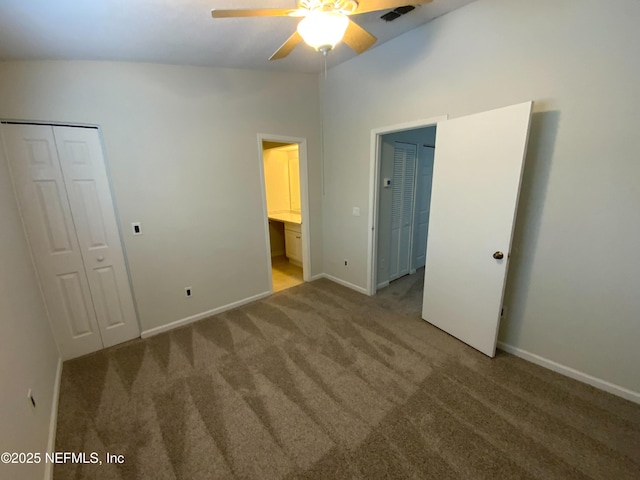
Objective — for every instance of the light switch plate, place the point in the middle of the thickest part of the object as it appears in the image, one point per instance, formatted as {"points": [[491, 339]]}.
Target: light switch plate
{"points": [[356, 211], [136, 228]]}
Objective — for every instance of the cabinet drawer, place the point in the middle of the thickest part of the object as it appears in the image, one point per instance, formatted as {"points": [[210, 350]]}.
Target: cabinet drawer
{"points": [[294, 227]]}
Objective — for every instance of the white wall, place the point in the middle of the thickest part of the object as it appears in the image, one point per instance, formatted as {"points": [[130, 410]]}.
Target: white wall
{"points": [[575, 277], [181, 144], [28, 354]]}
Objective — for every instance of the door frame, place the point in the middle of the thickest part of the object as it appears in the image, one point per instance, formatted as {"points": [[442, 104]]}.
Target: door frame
{"points": [[304, 201], [374, 189]]}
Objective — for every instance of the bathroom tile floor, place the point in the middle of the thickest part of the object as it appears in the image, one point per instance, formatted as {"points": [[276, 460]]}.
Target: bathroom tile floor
{"points": [[284, 273]]}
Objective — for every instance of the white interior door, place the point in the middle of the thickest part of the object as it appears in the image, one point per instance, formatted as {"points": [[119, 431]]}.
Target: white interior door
{"points": [[85, 177], [424, 176], [47, 216], [476, 183], [402, 186]]}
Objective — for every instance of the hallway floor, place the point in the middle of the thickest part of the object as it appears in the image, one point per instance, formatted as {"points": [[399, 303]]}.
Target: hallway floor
{"points": [[285, 274]]}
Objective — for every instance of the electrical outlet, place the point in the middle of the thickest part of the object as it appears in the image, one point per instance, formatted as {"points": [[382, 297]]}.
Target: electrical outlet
{"points": [[136, 228], [356, 211], [346, 262], [187, 291], [32, 401]]}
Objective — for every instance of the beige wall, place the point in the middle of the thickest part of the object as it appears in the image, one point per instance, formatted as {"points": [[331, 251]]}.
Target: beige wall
{"points": [[182, 148], [28, 354], [276, 179], [575, 275], [282, 179]]}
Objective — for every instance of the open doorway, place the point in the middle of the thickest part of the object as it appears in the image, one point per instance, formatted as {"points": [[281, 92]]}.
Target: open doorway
{"points": [[406, 171], [474, 197], [284, 178], [402, 176]]}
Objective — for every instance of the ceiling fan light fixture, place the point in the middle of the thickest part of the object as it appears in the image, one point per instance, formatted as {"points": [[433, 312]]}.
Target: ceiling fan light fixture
{"points": [[322, 30]]}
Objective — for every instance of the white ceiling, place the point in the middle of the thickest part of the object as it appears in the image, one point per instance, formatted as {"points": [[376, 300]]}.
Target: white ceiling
{"points": [[176, 32]]}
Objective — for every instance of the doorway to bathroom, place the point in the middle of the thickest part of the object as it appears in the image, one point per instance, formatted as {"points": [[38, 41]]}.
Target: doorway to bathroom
{"points": [[284, 179]]}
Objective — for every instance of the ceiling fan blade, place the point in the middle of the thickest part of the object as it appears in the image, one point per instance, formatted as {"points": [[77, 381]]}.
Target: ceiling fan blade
{"points": [[263, 12], [358, 38], [287, 47], [365, 6]]}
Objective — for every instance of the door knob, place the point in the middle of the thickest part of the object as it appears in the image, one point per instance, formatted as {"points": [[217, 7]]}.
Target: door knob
{"points": [[498, 255], [100, 258]]}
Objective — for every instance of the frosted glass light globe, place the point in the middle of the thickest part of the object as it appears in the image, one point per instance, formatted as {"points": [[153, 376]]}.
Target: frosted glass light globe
{"points": [[323, 29]]}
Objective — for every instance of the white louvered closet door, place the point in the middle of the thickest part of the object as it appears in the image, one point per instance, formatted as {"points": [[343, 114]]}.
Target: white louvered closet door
{"points": [[402, 192]]}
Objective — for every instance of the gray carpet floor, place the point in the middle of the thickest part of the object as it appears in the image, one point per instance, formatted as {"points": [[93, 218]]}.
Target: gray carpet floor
{"points": [[320, 382]]}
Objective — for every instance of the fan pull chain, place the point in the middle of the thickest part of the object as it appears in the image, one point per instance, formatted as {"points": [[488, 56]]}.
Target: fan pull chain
{"points": [[323, 86]]}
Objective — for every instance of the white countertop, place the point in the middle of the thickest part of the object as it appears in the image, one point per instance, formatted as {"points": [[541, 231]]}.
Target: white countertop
{"points": [[290, 217]]}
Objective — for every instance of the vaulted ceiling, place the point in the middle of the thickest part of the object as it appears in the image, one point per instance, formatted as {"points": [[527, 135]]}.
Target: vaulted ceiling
{"points": [[176, 32]]}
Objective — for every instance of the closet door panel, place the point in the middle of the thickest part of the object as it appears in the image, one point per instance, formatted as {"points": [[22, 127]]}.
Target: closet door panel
{"points": [[396, 211], [86, 192], [46, 213], [107, 298], [75, 304], [408, 189], [404, 166], [93, 211]]}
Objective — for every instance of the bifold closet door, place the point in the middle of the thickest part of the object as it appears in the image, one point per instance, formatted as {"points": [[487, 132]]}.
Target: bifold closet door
{"points": [[85, 177], [47, 217], [62, 189]]}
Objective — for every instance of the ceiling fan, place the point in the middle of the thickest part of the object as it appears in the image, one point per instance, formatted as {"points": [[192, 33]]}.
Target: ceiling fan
{"points": [[324, 22]]}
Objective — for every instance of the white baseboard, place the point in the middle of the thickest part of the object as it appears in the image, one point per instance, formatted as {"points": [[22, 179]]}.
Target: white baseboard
{"points": [[344, 283], [572, 373], [317, 276], [53, 422], [382, 285], [200, 316]]}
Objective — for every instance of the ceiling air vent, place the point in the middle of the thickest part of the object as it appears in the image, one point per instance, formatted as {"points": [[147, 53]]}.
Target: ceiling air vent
{"points": [[392, 15]]}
